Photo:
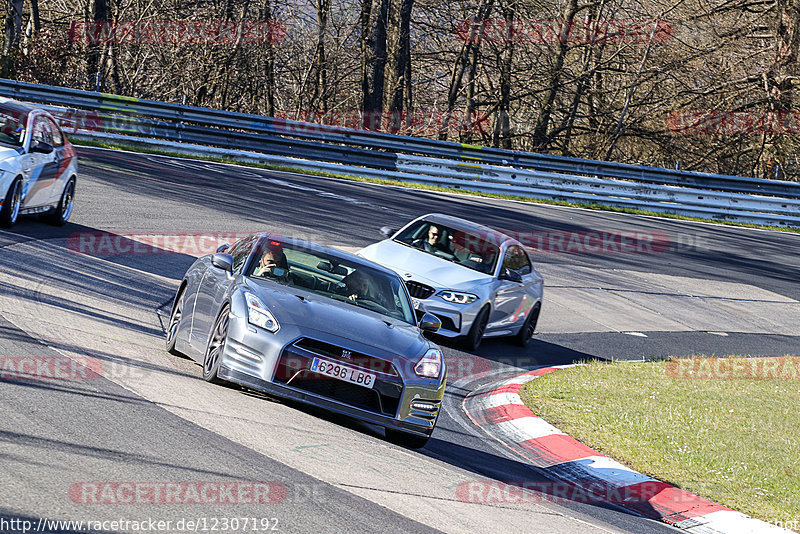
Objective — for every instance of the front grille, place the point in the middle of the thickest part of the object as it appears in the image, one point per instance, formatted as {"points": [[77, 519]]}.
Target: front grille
{"points": [[418, 290], [355, 359], [383, 398], [350, 394]]}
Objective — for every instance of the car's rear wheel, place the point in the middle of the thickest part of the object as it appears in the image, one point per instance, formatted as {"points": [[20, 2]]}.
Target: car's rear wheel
{"points": [[64, 209], [526, 332], [175, 323], [216, 346], [404, 439], [11, 205], [473, 339]]}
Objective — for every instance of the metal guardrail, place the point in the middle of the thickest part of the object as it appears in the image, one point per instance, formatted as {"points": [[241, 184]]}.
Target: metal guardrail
{"points": [[543, 186], [453, 164]]}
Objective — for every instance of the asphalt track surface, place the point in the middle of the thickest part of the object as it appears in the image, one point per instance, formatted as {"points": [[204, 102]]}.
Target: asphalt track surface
{"points": [[59, 433]]}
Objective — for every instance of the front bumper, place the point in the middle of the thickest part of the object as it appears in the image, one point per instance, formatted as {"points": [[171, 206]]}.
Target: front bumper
{"points": [[456, 319], [417, 426], [257, 359]]}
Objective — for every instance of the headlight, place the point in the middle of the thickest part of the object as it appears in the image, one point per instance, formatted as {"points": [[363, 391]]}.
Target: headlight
{"points": [[430, 366], [457, 297], [259, 315]]}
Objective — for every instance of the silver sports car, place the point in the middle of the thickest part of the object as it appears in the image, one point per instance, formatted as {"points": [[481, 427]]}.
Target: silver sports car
{"points": [[38, 165], [479, 282], [312, 324]]}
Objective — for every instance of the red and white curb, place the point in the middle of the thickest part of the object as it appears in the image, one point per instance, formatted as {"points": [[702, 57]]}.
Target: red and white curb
{"points": [[499, 410]]}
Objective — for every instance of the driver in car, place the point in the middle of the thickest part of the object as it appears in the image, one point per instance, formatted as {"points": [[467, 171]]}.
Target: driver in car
{"points": [[357, 286], [433, 242], [273, 264]]}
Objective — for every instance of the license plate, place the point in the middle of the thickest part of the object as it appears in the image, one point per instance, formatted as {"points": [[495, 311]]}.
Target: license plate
{"points": [[343, 372]]}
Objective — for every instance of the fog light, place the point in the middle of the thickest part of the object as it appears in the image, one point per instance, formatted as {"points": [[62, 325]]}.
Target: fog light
{"points": [[423, 405]]}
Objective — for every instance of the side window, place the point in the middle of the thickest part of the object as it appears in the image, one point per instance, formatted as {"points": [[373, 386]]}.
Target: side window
{"points": [[42, 131], [517, 259], [241, 250], [58, 137]]}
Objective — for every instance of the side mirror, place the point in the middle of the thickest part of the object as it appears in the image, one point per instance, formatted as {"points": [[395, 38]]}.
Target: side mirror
{"points": [[388, 231], [41, 147], [223, 261], [222, 248], [511, 275], [430, 323]]}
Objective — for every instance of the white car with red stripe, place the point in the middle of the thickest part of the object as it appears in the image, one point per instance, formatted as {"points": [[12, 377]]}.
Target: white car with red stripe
{"points": [[38, 165]]}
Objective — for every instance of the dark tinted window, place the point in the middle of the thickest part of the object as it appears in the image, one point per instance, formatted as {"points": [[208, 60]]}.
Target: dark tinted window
{"points": [[473, 250], [240, 250], [42, 130], [58, 137], [12, 127], [336, 278], [517, 259]]}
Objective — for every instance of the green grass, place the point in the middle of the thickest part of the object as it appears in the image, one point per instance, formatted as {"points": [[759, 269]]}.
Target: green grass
{"points": [[735, 441], [425, 187]]}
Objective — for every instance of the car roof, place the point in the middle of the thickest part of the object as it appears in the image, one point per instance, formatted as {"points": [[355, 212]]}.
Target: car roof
{"points": [[490, 234], [330, 251], [16, 105]]}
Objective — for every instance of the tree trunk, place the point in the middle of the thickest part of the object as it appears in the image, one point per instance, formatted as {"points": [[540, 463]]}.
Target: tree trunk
{"points": [[13, 26], [471, 44], [779, 83], [402, 89], [37, 24], [502, 130], [374, 98], [269, 63], [366, 51], [94, 82], [321, 86], [541, 139]]}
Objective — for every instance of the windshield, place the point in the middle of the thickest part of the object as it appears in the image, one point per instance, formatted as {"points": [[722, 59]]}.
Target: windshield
{"points": [[332, 277], [464, 248], [12, 127]]}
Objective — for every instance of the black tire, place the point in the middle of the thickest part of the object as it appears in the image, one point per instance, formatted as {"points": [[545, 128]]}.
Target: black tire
{"points": [[216, 345], [11, 205], [61, 215], [404, 439], [473, 339], [528, 328], [175, 322]]}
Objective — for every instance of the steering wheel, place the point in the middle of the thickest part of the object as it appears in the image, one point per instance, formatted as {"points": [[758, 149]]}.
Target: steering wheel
{"points": [[373, 305]]}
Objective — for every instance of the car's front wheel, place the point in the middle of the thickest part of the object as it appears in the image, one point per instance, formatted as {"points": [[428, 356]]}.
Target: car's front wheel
{"points": [[11, 205], [404, 439], [473, 339], [216, 346], [526, 332], [64, 209], [175, 322]]}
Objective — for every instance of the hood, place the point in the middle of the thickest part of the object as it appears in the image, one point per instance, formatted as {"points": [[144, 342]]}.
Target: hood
{"points": [[422, 266], [5, 154], [328, 320]]}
